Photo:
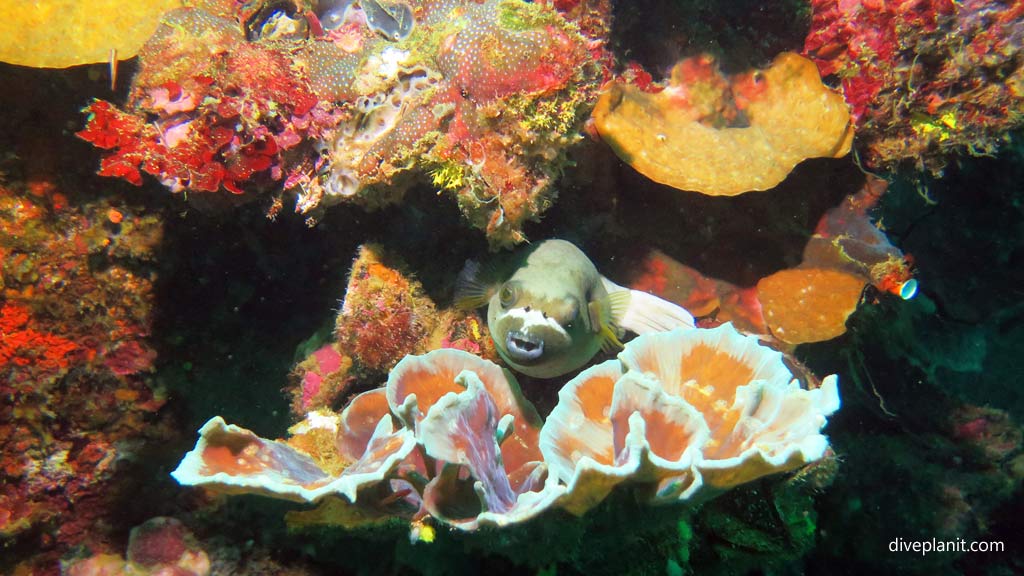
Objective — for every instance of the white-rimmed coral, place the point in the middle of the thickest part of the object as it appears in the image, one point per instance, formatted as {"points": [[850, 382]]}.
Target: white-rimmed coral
{"points": [[685, 413], [680, 416], [235, 460], [760, 419], [465, 431], [418, 382]]}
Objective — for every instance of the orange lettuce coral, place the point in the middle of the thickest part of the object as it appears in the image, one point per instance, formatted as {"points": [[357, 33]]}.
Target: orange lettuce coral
{"points": [[418, 382], [681, 414], [236, 460], [464, 451], [684, 414]]}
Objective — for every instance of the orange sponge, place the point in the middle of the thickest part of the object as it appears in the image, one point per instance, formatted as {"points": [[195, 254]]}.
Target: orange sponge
{"points": [[763, 125], [809, 304]]}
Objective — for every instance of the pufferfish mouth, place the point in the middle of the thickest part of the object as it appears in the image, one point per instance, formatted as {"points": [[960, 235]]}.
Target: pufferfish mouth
{"points": [[522, 347]]}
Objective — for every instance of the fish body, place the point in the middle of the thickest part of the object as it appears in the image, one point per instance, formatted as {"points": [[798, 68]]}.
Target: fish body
{"points": [[555, 311]]}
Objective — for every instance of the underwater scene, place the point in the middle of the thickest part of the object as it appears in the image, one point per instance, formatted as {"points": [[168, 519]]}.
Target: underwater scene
{"points": [[549, 288]]}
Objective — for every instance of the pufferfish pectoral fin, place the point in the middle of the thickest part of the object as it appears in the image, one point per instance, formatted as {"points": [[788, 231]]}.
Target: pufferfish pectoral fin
{"points": [[600, 321], [471, 291], [641, 312]]}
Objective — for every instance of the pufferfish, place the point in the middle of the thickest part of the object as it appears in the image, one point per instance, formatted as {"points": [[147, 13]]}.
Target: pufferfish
{"points": [[554, 312]]}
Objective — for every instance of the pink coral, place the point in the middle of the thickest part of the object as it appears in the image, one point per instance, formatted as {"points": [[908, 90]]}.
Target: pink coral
{"points": [[322, 378], [924, 78], [159, 547], [193, 143]]}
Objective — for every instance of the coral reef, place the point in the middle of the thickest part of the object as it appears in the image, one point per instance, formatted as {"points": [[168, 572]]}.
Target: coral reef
{"points": [[482, 96], [469, 450], [75, 317], [705, 133], [448, 468], [925, 78], [384, 316], [208, 134]]}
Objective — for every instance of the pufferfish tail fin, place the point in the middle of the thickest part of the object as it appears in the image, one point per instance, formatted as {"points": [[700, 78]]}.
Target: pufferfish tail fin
{"points": [[471, 290], [641, 312]]}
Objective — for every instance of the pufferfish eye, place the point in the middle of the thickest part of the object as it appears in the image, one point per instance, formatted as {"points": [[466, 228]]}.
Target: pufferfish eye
{"points": [[508, 295]]}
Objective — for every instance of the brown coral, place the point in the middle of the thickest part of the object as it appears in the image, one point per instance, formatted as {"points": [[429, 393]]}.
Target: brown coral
{"points": [[386, 315]]}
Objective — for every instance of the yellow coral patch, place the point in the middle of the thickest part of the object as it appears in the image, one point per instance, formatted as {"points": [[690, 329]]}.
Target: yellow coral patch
{"points": [[791, 116], [62, 33], [335, 511], [319, 444]]}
